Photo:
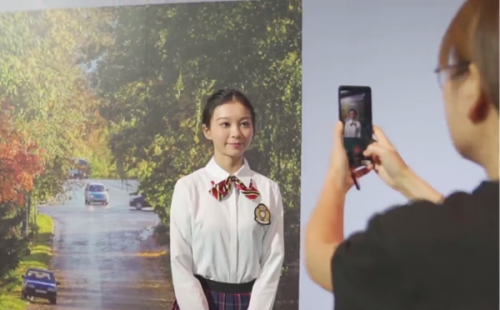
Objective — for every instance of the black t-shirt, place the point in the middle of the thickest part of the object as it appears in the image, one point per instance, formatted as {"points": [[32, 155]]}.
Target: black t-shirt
{"points": [[424, 256]]}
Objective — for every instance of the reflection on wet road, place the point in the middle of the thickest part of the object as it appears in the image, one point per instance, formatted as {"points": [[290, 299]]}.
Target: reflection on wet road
{"points": [[104, 256]]}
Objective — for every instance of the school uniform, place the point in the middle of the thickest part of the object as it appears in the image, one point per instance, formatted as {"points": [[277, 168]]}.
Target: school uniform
{"points": [[424, 256], [226, 240], [352, 129]]}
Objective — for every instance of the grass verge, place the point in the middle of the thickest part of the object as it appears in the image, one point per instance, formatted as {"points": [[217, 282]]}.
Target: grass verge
{"points": [[39, 258]]}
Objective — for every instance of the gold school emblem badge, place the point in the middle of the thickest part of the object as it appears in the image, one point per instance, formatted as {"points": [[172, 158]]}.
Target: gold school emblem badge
{"points": [[262, 214]]}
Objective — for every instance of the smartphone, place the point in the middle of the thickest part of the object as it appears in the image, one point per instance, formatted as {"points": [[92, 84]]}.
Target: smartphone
{"points": [[355, 112]]}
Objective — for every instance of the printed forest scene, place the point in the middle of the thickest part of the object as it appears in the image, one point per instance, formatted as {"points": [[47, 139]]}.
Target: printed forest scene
{"points": [[112, 96]]}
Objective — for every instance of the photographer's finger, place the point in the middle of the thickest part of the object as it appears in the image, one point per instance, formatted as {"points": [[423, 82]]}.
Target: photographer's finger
{"points": [[381, 137], [362, 172], [375, 149], [338, 135], [370, 166]]}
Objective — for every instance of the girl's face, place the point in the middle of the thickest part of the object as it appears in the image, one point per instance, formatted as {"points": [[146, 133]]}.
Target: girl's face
{"points": [[230, 130]]}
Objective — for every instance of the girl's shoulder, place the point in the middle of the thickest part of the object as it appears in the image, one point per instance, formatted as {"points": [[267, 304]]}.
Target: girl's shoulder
{"points": [[263, 182], [194, 179]]}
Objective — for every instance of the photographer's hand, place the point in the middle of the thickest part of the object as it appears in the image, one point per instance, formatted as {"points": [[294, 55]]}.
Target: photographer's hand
{"points": [[325, 229], [340, 171], [392, 169]]}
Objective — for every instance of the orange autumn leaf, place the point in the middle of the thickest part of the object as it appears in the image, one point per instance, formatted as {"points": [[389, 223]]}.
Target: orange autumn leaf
{"points": [[20, 159]]}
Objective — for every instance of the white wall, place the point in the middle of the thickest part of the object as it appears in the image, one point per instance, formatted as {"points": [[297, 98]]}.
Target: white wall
{"points": [[392, 46]]}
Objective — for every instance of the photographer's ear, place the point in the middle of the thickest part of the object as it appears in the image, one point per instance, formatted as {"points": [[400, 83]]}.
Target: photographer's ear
{"points": [[475, 101]]}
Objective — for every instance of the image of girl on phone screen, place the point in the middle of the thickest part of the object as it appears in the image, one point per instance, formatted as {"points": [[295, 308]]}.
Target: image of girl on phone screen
{"points": [[352, 127], [226, 220]]}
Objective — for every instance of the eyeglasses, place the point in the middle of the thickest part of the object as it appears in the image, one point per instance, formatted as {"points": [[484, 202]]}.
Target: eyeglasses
{"points": [[443, 73]]}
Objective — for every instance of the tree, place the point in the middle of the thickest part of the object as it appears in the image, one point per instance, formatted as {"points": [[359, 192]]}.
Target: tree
{"points": [[52, 109], [20, 163], [44, 64], [20, 160], [12, 243]]}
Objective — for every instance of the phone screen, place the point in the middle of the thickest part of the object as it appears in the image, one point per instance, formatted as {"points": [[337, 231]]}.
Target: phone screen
{"points": [[355, 111]]}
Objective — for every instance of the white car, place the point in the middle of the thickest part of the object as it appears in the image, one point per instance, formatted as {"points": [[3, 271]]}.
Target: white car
{"points": [[96, 193]]}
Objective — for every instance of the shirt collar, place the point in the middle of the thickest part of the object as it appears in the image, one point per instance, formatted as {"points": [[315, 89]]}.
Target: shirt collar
{"points": [[244, 173]]}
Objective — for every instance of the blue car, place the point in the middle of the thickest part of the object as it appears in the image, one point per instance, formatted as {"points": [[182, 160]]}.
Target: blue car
{"points": [[39, 283]]}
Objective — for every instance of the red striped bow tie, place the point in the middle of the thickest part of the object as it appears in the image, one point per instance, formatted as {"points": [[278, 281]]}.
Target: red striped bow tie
{"points": [[221, 189]]}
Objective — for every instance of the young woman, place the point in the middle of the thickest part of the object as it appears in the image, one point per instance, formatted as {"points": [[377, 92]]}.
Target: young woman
{"points": [[434, 252], [352, 127], [226, 220]]}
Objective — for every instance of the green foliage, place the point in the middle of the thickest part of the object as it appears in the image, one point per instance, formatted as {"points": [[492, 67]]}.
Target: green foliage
{"points": [[43, 75], [13, 245], [102, 167]]}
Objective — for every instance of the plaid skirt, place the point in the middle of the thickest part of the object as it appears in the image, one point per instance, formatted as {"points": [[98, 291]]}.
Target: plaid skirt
{"points": [[224, 296]]}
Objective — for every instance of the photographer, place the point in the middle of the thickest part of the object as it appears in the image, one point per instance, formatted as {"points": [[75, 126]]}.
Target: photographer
{"points": [[435, 252]]}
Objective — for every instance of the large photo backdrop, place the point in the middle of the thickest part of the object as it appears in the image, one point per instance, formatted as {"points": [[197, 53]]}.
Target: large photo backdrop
{"points": [[114, 95]]}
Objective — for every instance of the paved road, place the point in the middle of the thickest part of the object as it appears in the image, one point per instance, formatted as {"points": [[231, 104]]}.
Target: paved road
{"points": [[104, 256]]}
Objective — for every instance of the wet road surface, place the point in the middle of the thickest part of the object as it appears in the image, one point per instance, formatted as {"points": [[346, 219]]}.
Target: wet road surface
{"points": [[104, 256]]}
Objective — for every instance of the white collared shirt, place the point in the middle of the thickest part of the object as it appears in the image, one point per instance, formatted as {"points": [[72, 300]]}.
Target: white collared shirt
{"points": [[221, 240], [352, 129]]}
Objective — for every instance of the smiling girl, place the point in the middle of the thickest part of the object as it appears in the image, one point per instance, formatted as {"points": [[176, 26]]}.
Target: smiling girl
{"points": [[226, 221]]}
